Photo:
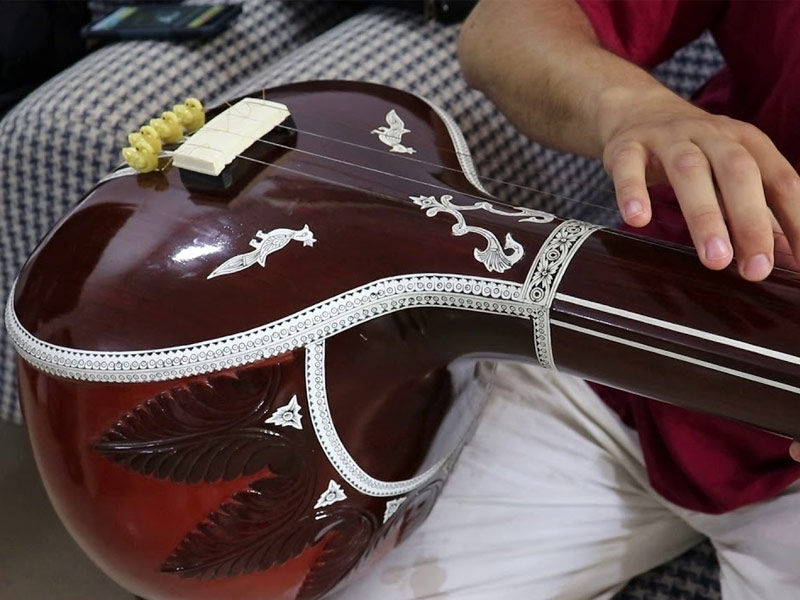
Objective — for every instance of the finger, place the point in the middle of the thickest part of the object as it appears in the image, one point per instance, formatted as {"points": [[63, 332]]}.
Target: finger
{"points": [[783, 251], [627, 167], [689, 174], [781, 184], [739, 180], [794, 450]]}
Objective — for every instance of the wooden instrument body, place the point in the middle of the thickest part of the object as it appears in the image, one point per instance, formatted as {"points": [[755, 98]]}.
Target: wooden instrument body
{"points": [[158, 433]]}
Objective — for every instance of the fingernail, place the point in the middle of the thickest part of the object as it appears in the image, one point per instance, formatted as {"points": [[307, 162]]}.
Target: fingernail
{"points": [[757, 267], [633, 208], [717, 248]]}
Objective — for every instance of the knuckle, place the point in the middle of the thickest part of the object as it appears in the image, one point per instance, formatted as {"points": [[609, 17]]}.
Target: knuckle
{"points": [[787, 183], [626, 151], [739, 164], [689, 161], [628, 186], [753, 235], [704, 217], [746, 131]]}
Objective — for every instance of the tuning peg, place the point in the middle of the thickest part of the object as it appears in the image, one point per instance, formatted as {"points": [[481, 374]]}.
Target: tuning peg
{"points": [[168, 126], [191, 114], [140, 155], [151, 136]]}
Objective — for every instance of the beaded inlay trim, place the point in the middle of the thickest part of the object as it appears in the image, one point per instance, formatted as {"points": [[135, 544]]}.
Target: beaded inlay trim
{"points": [[545, 274], [309, 325], [462, 150], [332, 444]]}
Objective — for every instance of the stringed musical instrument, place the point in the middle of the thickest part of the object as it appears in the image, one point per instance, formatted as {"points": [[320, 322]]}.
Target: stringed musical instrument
{"points": [[239, 369]]}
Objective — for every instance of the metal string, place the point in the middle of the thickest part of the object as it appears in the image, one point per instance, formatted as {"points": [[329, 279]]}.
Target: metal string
{"points": [[673, 226], [676, 227]]}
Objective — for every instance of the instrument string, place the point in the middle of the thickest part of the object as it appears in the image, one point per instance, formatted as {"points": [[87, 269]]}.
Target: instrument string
{"points": [[524, 188], [655, 202], [679, 247], [676, 227], [604, 191], [625, 234]]}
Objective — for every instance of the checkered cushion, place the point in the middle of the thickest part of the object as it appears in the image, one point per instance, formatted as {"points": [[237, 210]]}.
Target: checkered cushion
{"points": [[692, 576], [63, 137]]}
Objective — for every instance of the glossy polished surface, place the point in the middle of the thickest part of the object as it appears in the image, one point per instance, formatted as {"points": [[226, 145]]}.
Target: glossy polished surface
{"points": [[187, 488]]}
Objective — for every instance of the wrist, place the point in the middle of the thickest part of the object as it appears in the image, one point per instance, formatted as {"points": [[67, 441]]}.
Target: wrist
{"points": [[619, 106]]}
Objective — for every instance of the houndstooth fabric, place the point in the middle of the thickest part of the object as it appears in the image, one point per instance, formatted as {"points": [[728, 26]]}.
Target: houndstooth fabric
{"points": [[63, 137], [692, 576], [405, 51]]}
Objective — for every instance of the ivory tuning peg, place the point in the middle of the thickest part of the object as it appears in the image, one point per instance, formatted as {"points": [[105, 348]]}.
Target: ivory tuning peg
{"points": [[168, 127], [140, 155], [191, 114], [152, 137]]}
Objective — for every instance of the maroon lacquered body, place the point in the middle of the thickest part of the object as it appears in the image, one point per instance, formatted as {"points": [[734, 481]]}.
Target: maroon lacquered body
{"points": [[185, 487]]}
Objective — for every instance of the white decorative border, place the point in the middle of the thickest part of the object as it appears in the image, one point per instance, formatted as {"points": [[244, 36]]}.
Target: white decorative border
{"points": [[332, 444], [544, 277], [309, 325], [542, 345], [460, 144]]}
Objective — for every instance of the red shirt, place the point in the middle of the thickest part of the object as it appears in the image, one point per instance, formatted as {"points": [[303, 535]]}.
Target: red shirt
{"points": [[695, 460]]}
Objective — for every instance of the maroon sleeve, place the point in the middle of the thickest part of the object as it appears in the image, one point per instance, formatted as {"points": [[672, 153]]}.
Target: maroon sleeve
{"points": [[647, 32]]}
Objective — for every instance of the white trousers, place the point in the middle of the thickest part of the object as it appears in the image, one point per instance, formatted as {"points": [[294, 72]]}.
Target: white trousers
{"points": [[550, 500]]}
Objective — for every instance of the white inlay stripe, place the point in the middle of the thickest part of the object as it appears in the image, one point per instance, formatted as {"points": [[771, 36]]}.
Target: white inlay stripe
{"points": [[315, 323], [687, 359], [698, 333], [332, 445], [462, 149]]}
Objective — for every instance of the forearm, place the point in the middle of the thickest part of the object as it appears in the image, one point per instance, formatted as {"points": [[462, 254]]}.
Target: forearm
{"points": [[541, 64]]}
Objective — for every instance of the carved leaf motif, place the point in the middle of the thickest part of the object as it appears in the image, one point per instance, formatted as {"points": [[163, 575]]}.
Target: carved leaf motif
{"points": [[208, 430], [353, 531], [260, 528]]}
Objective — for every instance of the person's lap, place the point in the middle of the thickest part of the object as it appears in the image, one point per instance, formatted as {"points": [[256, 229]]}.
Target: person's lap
{"points": [[550, 500]]}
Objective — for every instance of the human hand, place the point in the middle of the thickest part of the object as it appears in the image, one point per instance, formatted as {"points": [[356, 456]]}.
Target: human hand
{"points": [[794, 450], [739, 195]]}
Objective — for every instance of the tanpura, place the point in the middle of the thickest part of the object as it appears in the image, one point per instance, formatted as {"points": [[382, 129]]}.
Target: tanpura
{"points": [[236, 366]]}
